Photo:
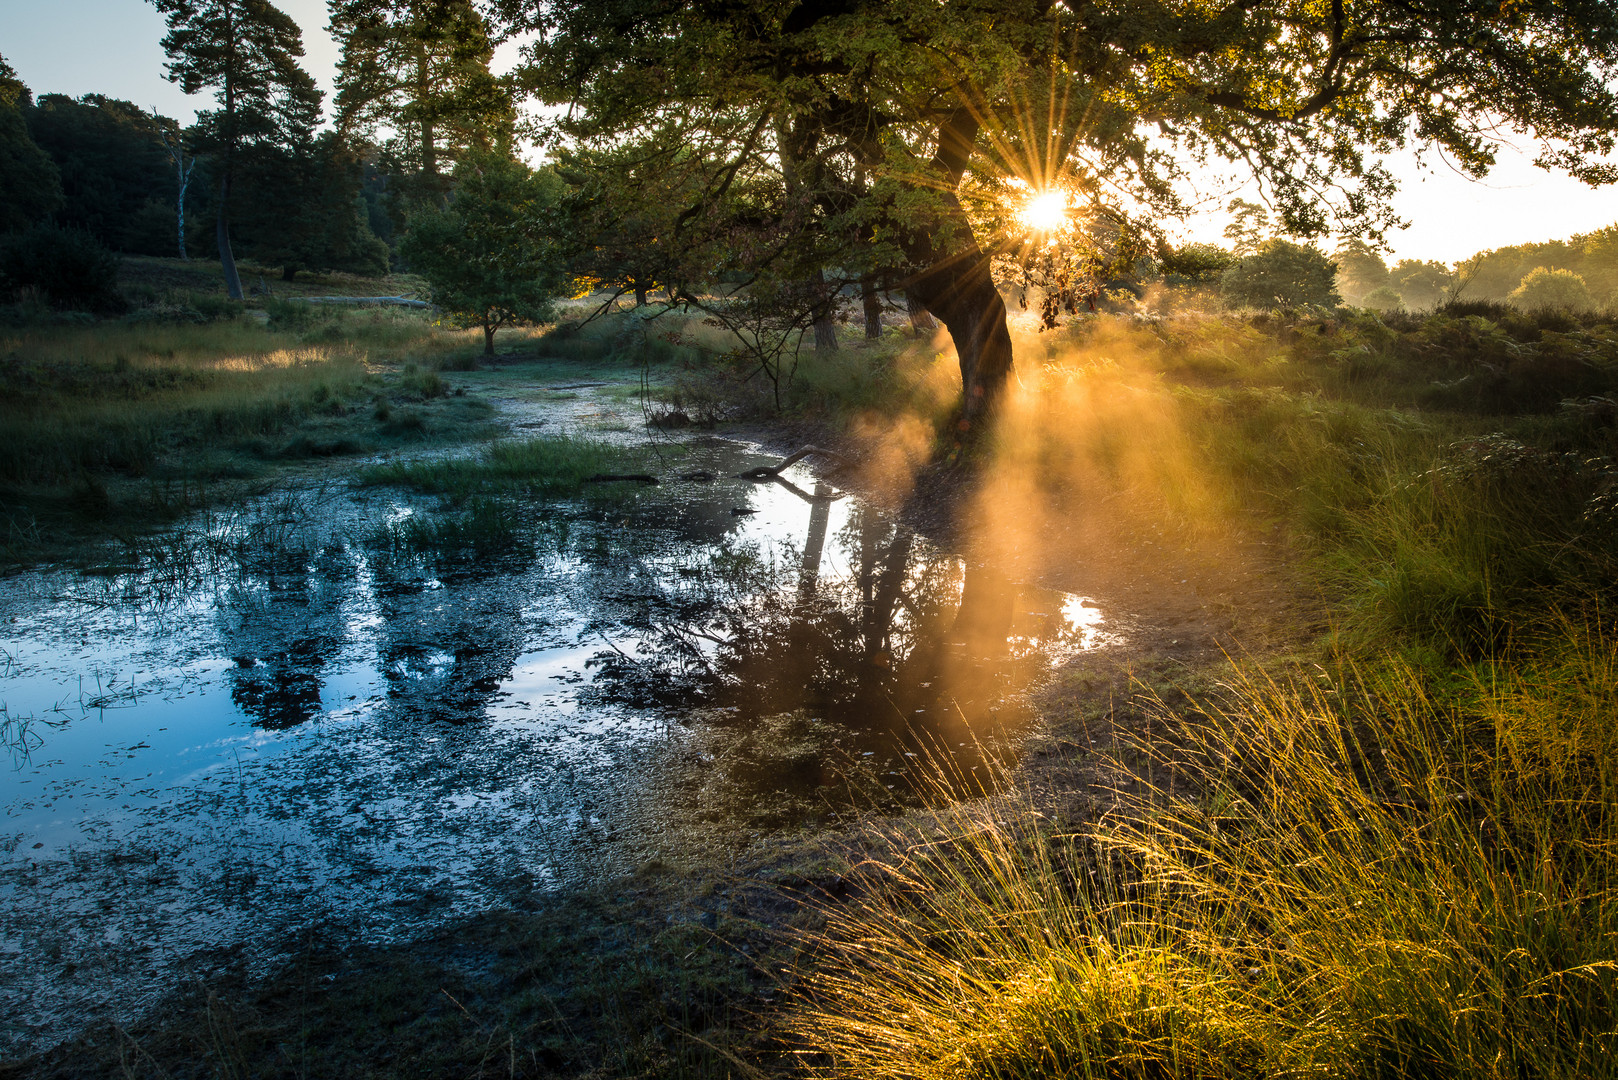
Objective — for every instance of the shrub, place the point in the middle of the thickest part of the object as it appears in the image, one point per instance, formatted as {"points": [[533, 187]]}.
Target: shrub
{"points": [[1545, 289], [1383, 298], [68, 266], [1281, 274]]}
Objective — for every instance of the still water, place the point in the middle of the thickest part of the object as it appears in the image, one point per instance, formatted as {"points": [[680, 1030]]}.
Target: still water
{"points": [[362, 714]]}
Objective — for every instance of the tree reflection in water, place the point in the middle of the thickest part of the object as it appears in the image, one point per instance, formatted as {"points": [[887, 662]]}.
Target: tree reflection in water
{"points": [[883, 667]]}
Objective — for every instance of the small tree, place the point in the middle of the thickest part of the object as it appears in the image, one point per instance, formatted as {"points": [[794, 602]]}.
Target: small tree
{"points": [[1543, 288], [1361, 271], [1422, 284], [490, 257], [1383, 298], [1282, 274]]}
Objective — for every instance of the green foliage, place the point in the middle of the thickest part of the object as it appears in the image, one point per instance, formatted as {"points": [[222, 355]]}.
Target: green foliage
{"points": [[622, 208], [1360, 272], [492, 257], [302, 209], [66, 265], [114, 167], [542, 466], [1383, 298], [1557, 290], [1422, 285], [247, 51], [420, 69], [1282, 274], [1249, 228], [821, 136], [31, 181], [1195, 264]]}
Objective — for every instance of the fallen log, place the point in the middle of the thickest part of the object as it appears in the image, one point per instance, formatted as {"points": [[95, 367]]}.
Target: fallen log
{"points": [[766, 472]]}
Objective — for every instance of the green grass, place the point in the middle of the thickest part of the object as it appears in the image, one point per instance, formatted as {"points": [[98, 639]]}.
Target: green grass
{"points": [[549, 465], [124, 425]]}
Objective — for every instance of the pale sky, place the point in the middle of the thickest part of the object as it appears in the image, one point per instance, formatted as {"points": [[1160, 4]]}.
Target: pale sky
{"points": [[112, 47]]}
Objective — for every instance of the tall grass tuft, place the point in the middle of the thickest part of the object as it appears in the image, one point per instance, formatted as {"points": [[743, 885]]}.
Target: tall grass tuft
{"points": [[1337, 875], [549, 465]]}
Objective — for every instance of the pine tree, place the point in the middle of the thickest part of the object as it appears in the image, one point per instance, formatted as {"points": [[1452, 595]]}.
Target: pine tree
{"points": [[247, 51], [420, 68]]}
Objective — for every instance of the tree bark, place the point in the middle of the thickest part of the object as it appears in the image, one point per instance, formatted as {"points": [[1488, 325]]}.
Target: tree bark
{"points": [[921, 321], [871, 299], [488, 340], [640, 293], [961, 293], [288, 272], [955, 284], [233, 281]]}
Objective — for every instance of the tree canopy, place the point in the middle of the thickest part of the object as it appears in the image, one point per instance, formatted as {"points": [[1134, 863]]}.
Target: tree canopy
{"points": [[247, 51], [30, 179], [909, 126]]}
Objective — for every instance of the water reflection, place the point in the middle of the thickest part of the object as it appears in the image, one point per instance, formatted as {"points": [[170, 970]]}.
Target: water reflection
{"points": [[388, 727]]}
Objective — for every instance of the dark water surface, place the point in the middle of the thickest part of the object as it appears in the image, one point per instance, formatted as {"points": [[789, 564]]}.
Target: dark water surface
{"points": [[368, 712]]}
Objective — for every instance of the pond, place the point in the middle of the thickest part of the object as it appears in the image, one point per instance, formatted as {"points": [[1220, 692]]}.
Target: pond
{"points": [[367, 715]]}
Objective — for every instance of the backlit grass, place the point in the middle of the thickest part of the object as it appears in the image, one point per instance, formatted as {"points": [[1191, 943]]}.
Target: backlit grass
{"points": [[1327, 875]]}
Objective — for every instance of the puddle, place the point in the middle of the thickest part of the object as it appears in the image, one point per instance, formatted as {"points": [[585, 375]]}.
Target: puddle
{"points": [[320, 727]]}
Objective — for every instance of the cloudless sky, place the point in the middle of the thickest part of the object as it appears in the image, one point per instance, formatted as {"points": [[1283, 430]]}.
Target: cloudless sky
{"points": [[112, 47]]}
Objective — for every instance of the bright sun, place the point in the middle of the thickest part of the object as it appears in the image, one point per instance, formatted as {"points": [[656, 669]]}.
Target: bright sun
{"points": [[1045, 211]]}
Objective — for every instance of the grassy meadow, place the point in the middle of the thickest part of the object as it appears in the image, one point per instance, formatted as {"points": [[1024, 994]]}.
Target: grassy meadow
{"points": [[1390, 851]]}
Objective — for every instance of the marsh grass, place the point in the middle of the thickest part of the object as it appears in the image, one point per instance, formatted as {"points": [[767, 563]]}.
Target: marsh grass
{"points": [[1321, 874], [548, 465], [126, 425], [1442, 480]]}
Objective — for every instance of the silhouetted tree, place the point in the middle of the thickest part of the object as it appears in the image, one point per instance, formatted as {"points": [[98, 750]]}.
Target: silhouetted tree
{"points": [[246, 51], [30, 180]]}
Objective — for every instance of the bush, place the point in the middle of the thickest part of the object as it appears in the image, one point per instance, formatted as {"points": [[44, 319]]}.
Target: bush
{"points": [[67, 266], [1557, 290], [1383, 298], [1279, 275]]}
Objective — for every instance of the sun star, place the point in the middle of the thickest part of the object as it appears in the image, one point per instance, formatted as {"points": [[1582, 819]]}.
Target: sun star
{"points": [[1045, 211]]}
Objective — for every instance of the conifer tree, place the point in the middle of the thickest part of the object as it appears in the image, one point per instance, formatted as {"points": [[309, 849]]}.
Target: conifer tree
{"points": [[247, 51], [420, 69]]}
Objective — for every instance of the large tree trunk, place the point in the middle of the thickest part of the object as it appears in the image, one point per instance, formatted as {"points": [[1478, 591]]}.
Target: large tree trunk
{"points": [[825, 324], [233, 281], [955, 284], [488, 340], [920, 320], [961, 293]]}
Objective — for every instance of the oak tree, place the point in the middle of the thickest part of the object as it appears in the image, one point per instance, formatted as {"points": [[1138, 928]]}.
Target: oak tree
{"points": [[492, 257], [898, 118]]}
